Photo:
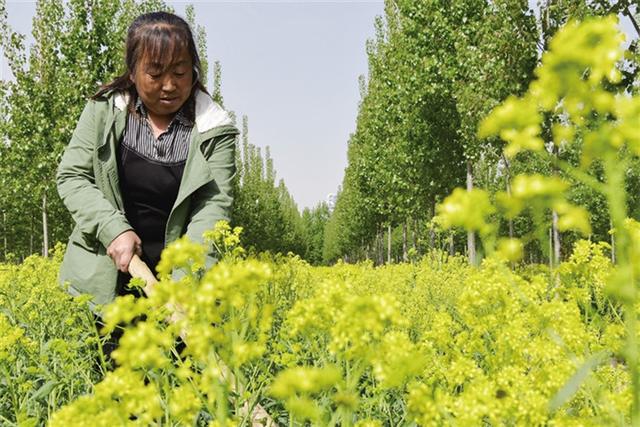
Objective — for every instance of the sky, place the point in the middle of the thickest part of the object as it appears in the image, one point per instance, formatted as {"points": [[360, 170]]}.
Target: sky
{"points": [[292, 67]]}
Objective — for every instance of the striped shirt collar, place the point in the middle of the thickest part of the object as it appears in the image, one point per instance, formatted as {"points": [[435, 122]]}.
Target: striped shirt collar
{"points": [[180, 115], [208, 113]]}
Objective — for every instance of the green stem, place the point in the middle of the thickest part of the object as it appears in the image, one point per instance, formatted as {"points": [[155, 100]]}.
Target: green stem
{"points": [[166, 391], [103, 361], [221, 404], [14, 398], [616, 197], [581, 176]]}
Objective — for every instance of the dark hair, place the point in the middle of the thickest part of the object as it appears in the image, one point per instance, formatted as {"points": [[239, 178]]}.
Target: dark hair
{"points": [[161, 36]]}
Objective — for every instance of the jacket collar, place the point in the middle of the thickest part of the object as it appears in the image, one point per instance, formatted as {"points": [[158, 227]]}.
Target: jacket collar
{"points": [[209, 114]]}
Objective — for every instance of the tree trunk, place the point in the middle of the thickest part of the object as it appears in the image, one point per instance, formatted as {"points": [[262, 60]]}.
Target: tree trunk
{"points": [[432, 231], [551, 248], [507, 183], [555, 234], [45, 227], [389, 244], [452, 246], [414, 233], [374, 249], [380, 247], [4, 228], [31, 235], [556, 239], [471, 237], [613, 243], [405, 256]]}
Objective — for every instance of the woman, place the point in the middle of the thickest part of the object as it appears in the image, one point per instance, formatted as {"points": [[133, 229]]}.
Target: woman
{"points": [[152, 158]]}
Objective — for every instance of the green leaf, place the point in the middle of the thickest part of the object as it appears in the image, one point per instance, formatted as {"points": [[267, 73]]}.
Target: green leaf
{"points": [[44, 390], [574, 383]]}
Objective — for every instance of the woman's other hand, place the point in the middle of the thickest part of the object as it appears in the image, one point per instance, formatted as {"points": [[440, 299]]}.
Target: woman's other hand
{"points": [[122, 248]]}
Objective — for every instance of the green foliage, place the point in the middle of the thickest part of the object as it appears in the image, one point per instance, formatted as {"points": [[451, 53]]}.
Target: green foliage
{"points": [[314, 222], [200, 36], [435, 70], [266, 211], [217, 83]]}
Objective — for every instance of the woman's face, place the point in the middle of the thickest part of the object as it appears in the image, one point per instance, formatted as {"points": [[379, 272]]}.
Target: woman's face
{"points": [[164, 92]]}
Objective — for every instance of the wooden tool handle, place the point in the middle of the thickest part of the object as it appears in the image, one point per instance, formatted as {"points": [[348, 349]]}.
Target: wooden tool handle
{"points": [[140, 270]]}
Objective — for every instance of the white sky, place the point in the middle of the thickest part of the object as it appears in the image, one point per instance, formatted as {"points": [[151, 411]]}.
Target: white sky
{"points": [[292, 67]]}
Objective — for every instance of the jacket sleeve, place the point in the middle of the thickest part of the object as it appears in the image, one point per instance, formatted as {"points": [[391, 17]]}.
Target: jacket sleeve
{"points": [[213, 201], [76, 180]]}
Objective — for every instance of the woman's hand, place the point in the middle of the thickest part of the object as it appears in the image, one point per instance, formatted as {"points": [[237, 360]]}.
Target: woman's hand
{"points": [[122, 248]]}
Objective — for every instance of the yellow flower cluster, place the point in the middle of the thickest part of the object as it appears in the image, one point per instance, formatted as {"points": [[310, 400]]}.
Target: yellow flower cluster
{"points": [[12, 339], [466, 345], [47, 342], [138, 403], [225, 240]]}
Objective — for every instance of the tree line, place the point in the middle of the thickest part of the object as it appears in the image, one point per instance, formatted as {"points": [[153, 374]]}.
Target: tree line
{"points": [[436, 68]]}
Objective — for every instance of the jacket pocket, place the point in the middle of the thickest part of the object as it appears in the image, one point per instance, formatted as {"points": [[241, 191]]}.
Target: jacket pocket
{"points": [[85, 272]]}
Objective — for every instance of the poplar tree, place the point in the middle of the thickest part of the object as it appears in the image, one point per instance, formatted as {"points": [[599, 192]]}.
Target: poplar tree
{"points": [[200, 36], [78, 44], [266, 210]]}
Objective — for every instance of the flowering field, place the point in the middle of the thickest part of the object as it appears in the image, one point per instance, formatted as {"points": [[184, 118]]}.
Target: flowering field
{"points": [[429, 343], [433, 342]]}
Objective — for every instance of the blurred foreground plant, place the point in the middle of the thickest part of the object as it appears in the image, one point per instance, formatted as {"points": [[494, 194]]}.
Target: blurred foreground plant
{"points": [[577, 84]]}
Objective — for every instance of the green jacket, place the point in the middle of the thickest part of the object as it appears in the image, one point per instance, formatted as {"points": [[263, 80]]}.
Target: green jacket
{"points": [[87, 182]]}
